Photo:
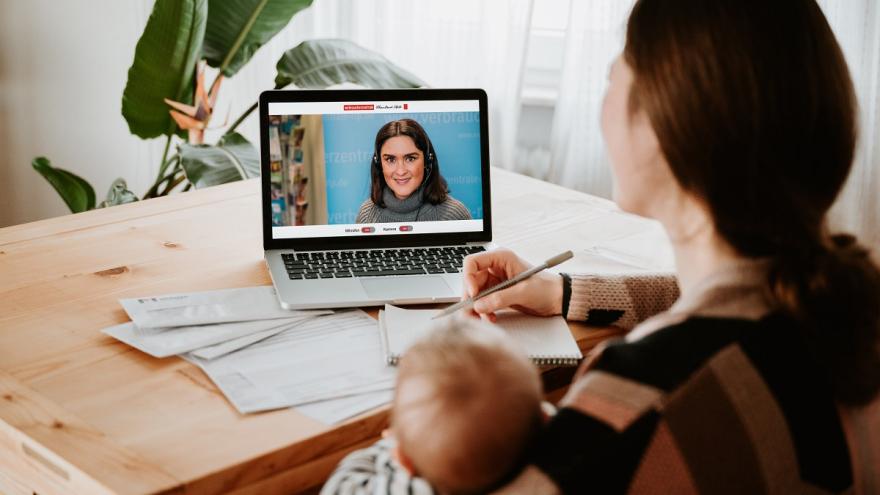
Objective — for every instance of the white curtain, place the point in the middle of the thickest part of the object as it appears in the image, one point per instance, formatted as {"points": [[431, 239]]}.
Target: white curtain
{"points": [[856, 23], [446, 43], [596, 34]]}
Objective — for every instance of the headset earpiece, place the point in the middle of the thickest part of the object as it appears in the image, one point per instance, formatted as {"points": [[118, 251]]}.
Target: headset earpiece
{"points": [[429, 162]]}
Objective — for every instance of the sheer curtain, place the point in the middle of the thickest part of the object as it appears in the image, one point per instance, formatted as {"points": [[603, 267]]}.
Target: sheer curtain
{"points": [[446, 43], [856, 24], [595, 35]]}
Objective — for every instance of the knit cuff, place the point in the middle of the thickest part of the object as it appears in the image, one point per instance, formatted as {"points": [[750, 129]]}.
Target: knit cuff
{"points": [[566, 293]]}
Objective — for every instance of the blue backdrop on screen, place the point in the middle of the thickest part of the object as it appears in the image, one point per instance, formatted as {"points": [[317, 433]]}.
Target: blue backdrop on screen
{"points": [[348, 150]]}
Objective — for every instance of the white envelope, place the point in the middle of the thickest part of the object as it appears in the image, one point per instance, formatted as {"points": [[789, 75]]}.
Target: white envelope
{"points": [[201, 308], [164, 342]]}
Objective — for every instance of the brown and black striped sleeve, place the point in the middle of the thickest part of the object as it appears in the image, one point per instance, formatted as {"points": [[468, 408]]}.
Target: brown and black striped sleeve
{"points": [[709, 405]]}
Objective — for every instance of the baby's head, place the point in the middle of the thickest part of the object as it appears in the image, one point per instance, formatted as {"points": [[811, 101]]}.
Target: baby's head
{"points": [[466, 407]]}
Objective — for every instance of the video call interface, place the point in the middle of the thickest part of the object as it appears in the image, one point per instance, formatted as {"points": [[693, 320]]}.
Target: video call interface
{"points": [[375, 168]]}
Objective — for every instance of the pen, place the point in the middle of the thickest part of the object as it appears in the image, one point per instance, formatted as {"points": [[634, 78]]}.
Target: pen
{"points": [[559, 258]]}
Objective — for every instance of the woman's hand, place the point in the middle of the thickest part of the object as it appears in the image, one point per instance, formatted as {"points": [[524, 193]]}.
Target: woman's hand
{"points": [[540, 294]]}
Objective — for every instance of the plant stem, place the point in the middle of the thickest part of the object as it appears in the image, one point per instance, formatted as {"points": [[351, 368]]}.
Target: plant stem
{"points": [[245, 115], [171, 185], [164, 164], [240, 119], [232, 51], [154, 189], [242, 35]]}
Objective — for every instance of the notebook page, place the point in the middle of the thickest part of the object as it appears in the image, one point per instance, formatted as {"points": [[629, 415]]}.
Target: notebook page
{"points": [[540, 337], [404, 326]]}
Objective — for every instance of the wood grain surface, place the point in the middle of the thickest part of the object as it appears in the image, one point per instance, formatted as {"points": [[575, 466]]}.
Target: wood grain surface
{"points": [[83, 413]]}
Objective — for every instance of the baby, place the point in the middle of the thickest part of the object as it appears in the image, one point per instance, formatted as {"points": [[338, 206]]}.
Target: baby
{"points": [[467, 405]]}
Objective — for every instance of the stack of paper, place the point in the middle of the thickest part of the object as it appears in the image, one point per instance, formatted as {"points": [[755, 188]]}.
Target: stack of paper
{"points": [[329, 365], [324, 359]]}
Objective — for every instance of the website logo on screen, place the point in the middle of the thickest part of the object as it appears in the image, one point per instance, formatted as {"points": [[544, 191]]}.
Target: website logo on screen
{"points": [[392, 106]]}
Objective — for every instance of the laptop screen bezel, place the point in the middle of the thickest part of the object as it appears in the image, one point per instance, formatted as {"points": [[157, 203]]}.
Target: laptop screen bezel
{"points": [[372, 241]]}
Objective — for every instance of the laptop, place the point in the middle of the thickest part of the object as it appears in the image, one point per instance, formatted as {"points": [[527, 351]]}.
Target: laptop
{"points": [[373, 196]]}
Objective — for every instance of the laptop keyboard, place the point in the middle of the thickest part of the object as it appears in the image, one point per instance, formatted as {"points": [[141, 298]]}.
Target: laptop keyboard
{"points": [[376, 262]]}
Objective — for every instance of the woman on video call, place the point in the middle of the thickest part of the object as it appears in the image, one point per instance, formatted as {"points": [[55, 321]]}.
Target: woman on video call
{"points": [[405, 180]]}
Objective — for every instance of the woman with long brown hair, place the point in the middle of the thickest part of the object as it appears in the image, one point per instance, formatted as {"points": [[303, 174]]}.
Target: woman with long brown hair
{"points": [[405, 180], [733, 123]]}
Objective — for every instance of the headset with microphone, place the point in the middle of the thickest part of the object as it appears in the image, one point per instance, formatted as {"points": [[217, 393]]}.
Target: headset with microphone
{"points": [[429, 165]]}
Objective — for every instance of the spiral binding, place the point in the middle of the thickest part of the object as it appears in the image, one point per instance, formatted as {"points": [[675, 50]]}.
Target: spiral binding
{"points": [[556, 361], [538, 360]]}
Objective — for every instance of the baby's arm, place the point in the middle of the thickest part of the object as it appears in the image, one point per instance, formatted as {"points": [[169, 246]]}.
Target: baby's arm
{"points": [[373, 471], [621, 300]]}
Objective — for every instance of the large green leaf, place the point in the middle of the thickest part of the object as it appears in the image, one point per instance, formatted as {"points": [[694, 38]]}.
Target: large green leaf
{"points": [[232, 159], [321, 63], [238, 28], [118, 194], [76, 192], [164, 63]]}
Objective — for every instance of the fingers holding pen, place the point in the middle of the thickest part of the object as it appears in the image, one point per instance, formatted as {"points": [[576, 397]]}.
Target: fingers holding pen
{"points": [[484, 270]]}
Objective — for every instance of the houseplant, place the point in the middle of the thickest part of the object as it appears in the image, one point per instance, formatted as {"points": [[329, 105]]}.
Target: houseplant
{"points": [[166, 94]]}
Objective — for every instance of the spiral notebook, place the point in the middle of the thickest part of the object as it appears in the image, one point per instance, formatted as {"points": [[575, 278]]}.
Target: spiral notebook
{"points": [[546, 340]]}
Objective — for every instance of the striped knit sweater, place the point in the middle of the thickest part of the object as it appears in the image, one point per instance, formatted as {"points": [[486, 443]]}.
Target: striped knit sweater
{"points": [[715, 394], [718, 394], [410, 210]]}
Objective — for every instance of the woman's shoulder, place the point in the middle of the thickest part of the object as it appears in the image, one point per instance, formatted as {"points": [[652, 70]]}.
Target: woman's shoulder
{"points": [[744, 371], [368, 212], [453, 209], [669, 356]]}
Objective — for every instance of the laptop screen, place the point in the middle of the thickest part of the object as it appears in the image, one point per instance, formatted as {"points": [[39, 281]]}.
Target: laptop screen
{"points": [[372, 168]]}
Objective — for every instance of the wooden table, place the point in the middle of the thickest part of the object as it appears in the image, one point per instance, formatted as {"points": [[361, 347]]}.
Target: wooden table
{"points": [[82, 413]]}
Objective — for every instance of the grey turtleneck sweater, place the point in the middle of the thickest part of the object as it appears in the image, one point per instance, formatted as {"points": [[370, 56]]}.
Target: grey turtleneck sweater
{"points": [[411, 209]]}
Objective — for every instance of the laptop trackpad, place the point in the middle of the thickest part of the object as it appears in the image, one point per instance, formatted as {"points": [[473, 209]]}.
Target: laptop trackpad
{"points": [[406, 287]]}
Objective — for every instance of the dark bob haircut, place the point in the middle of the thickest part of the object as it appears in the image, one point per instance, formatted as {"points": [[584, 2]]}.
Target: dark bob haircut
{"points": [[435, 187]]}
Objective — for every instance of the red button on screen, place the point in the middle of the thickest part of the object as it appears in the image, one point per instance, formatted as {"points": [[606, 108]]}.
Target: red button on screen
{"points": [[367, 230], [405, 228]]}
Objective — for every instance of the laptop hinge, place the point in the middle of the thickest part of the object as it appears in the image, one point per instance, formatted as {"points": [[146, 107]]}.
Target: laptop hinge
{"points": [[476, 243]]}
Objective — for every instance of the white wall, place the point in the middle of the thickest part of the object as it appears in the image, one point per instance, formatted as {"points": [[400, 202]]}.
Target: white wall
{"points": [[63, 67]]}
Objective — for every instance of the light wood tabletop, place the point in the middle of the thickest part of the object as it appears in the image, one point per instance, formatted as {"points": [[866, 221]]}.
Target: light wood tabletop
{"points": [[83, 413]]}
